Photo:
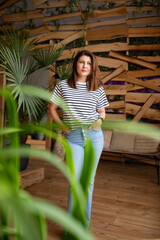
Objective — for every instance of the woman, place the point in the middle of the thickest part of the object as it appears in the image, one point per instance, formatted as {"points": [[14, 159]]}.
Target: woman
{"points": [[86, 101]]}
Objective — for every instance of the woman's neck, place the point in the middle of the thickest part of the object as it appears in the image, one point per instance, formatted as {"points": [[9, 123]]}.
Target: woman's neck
{"points": [[82, 79]]}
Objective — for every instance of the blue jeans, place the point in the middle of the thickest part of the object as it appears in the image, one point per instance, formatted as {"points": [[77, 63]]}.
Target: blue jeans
{"points": [[76, 139]]}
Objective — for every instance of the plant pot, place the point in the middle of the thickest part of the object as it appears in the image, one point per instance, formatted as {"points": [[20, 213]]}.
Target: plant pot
{"points": [[24, 161]]}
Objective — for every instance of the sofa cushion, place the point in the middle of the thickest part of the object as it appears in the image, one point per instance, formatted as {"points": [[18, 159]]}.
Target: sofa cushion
{"points": [[123, 142], [145, 145], [107, 140]]}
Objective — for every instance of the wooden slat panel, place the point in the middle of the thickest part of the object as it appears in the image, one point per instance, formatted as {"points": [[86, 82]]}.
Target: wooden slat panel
{"points": [[52, 35], [112, 90], [39, 30], [132, 60], [38, 2], [141, 9], [143, 20], [140, 98], [134, 80], [115, 116], [17, 17], [150, 58], [106, 47], [131, 87], [53, 4], [118, 87], [145, 73], [120, 77], [113, 74], [62, 16], [115, 11], [106, 23], [7, 4], [116, 105], [108, 33], [111, 63], [145, 107], [71, 38], [152, 114], [149, 47], [66, 27], [144, 32]]}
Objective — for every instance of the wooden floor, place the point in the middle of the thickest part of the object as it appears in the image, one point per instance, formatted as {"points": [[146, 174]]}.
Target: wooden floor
{"points": [[126, 201]]}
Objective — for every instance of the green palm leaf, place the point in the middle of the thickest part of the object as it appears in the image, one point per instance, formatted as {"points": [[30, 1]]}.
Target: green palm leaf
{"points": [[46, 57]]}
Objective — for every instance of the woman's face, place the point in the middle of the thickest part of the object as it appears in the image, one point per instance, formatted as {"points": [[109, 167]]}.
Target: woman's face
{"points": [[84, 66]]}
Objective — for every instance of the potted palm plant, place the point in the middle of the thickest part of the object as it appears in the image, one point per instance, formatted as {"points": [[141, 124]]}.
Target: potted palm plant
{"points": [[19, 62]]}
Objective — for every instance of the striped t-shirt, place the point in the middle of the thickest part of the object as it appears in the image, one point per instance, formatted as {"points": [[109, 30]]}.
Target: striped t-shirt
{"points": [[80, 105]]}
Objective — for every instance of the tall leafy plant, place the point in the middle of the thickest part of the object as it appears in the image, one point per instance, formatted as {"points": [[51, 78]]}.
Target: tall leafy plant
{"points": [[23, 216]]}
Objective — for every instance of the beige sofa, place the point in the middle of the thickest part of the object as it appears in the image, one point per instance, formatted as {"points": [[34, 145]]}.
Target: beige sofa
{"points": [[127, 143]]}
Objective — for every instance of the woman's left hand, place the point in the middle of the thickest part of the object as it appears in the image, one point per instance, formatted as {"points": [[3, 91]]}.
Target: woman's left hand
{"points": [[96, 124]]}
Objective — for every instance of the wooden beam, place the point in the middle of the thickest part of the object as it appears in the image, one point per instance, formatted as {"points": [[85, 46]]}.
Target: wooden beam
{"points": [[116, 105], [134, 80], [143, 20], [144, 32], [118, 117], [106, 23], [148, 47], [115, 11], [108, 33], [150, 58], [137, 97], [121, 77], [53, 4], [133, 109], [113, 91], [52, 35], [111, 63], [62, 16], [38, 2], [144, 108], [103, 47], [17, 17], [7, 4], [132, 60], [116, 72], [141, 9], [133, 87], [71, 38], [39, 30], [145, 73], [66, 27]]}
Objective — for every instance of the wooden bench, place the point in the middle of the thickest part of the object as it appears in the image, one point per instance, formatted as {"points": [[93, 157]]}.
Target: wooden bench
{"points": [[129, 145]]}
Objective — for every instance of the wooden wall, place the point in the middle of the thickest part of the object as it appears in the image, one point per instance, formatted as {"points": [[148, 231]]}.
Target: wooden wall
{"points": [[130, 70]]}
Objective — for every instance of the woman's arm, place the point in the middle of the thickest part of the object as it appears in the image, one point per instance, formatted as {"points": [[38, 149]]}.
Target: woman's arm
{"points": [[53, 110], [97, 124]]}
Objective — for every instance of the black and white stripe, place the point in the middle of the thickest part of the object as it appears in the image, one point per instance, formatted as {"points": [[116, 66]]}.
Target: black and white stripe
{"points": [[81, 104]]}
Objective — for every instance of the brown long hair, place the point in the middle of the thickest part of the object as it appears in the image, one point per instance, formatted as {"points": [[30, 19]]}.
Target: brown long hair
{"points": [[93, 79]]}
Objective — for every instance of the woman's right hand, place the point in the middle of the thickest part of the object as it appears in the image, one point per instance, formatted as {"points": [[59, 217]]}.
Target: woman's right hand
{"points": [[66, 131]]}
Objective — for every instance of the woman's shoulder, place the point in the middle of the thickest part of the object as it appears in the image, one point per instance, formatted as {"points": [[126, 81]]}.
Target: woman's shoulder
{"points": [[100, 89], [62, 82]]}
